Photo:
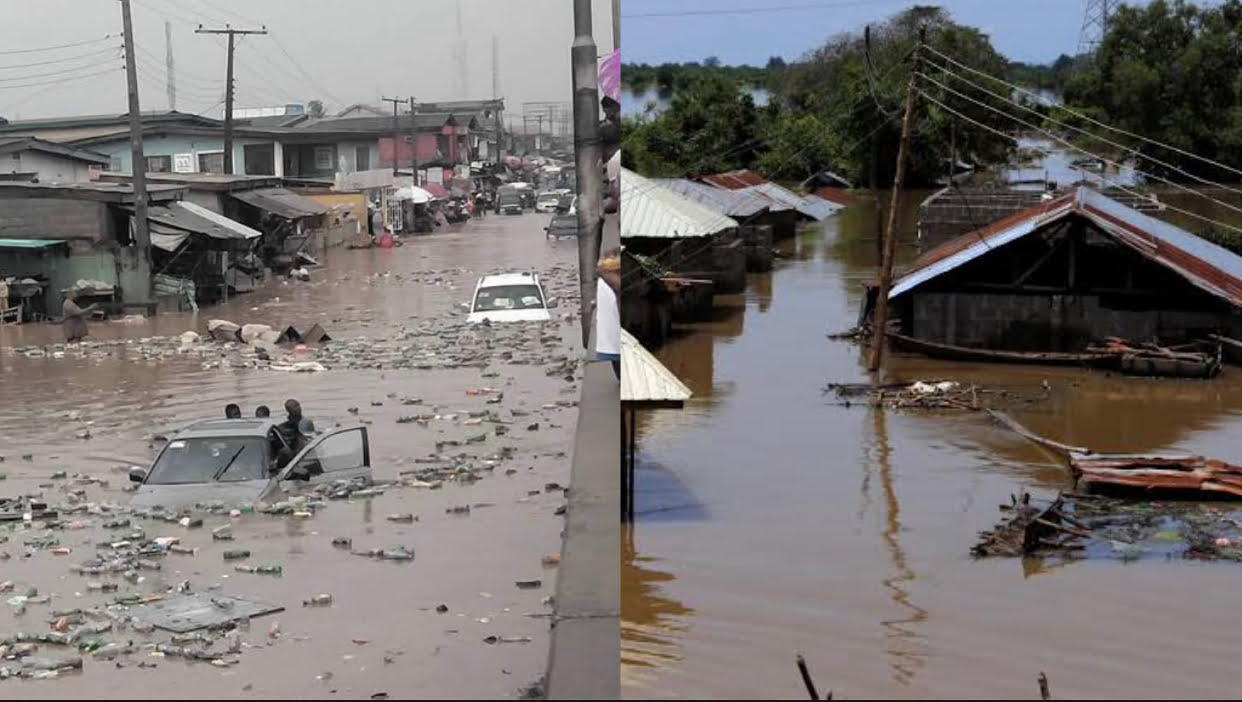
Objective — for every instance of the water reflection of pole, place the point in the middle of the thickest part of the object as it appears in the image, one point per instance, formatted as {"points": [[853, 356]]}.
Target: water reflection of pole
{"points": [[905, 662]]}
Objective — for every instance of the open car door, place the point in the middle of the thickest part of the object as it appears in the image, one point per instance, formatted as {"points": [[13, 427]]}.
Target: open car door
{"points": [[343, 454]]}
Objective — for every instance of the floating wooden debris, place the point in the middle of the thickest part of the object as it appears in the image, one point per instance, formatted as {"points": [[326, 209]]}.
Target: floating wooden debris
{"points": [[923, 394]]}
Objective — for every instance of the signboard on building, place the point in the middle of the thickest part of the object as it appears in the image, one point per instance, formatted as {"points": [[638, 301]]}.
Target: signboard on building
{"points": [[183, 163], [435, 175]]}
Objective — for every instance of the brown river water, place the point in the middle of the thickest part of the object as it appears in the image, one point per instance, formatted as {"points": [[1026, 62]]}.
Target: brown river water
{"points": [[382, 632], [771, 520]]}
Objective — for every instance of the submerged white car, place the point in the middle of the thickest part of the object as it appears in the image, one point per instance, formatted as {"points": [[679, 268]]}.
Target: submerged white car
{"points": [[233, 461], [511, 297]]}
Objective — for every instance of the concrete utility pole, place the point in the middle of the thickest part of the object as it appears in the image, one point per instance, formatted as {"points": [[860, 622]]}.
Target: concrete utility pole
{"points": [[228, 88], [168, 65], [413, 141], [587, 152], [142, 234], [879, 333], [396, 130], [616, 24]]}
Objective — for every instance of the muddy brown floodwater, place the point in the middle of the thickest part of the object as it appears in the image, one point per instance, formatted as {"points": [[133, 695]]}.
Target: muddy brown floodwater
{"points": [[382, 633], [773, 521]]}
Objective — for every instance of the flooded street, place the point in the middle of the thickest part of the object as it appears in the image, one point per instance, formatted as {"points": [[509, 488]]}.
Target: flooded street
{"points": [[400, 350], [772, 520]]}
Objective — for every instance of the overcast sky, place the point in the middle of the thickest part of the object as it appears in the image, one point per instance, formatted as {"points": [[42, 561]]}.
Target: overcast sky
{"points": [[338, 51], [1035, 31]]}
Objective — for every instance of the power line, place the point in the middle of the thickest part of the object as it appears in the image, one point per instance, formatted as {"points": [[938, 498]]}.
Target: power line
{"points": [[1080, 130], [1047, 152], [1079, 148], [1082, 116], [231, 13], [298, 66], [756, 10], [62, 80], [60, 60], [61, 72], [60, 46]]}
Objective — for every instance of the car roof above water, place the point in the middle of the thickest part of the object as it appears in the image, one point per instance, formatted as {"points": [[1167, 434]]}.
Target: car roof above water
{"points": [[491, 281], [227, 428]]}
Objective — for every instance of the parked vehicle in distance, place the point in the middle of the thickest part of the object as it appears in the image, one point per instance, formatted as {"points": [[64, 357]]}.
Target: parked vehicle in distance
{"points": [[509, 203], [510, 297], [562, 226], [234, 461], [548, 201]]}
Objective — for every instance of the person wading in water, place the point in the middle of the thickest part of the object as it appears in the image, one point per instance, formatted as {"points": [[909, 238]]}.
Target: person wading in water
{"points": [[75, 318]]}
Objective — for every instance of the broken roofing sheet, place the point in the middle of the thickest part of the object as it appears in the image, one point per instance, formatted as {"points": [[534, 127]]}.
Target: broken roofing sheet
{"points": [[1202, 263], [749, 181]]}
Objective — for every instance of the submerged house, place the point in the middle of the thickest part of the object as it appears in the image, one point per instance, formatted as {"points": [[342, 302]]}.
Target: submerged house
{"points": [[809, 207], [1062, 274]]}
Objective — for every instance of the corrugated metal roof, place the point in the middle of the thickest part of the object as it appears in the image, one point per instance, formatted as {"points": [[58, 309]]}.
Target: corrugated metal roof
{"points": [[279, 201], [30, 243], [644, 378], [735, 180], [813, 207], [734, 203], [1205, 265], [648, 210]]}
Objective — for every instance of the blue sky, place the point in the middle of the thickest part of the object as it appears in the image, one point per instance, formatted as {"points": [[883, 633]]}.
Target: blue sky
{"points": [[1024, 30]]}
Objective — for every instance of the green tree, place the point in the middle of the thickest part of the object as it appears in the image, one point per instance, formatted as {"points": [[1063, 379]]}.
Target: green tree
{"points": [[712, 126], [1170, 72], [862, 107], [712, 62]]}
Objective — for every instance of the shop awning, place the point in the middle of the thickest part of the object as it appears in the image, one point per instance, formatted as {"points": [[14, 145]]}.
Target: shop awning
{"points": [[281, 202], [30, 243], [170, 225]]}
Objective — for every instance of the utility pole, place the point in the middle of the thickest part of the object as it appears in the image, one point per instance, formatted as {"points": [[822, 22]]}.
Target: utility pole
{"points": [[588, 159], [396, 130], [228, 88], [616, 25], [168, 64], [539, 136], [142, 234], [879, 333], [500, 127], [413, 141]]}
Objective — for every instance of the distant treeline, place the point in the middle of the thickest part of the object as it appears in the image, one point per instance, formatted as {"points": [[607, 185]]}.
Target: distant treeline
{"points": [[669, 78]]}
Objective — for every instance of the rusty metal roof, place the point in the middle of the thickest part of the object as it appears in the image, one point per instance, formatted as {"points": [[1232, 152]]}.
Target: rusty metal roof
{"points": [[749, 181], [735, 180], [1205, 265]]}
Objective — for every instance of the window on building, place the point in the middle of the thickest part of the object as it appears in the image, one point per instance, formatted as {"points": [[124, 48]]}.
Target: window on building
{"points": [[362, 158], [211, 162], [324, 159], [114, 164], [159, 164]]}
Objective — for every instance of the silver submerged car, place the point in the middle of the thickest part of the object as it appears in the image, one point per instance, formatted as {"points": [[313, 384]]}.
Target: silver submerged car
{"points": [[236, 461]]}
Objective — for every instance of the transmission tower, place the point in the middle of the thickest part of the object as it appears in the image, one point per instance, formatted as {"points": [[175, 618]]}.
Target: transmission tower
{"points": [[1095, 17]]}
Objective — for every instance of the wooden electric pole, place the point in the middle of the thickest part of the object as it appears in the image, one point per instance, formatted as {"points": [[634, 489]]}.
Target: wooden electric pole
{"points": [[142, 234], [396, 130], [879, 326], [228, 88]]}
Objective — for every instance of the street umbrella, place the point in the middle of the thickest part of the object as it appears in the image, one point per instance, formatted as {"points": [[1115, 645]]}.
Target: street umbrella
{"points": [[411, 192]]}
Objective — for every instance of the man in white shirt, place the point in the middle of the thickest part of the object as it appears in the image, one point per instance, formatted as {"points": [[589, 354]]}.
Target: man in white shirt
{"points": [[607, 312]]}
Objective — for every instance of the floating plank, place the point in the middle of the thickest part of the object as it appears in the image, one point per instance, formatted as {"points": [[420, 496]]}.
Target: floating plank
{"points": [[184, 613]]}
